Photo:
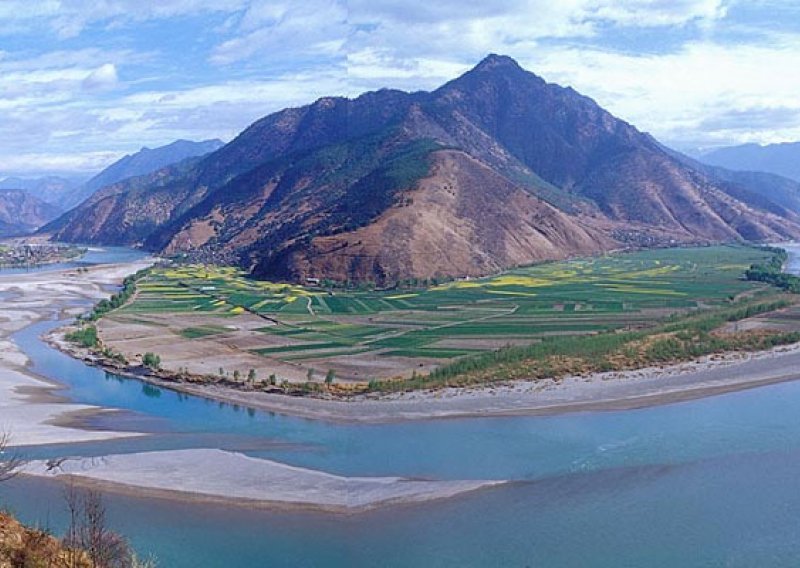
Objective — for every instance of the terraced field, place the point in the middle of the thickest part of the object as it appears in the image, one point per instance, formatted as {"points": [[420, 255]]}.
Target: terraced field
{"points": [[289, 329]]}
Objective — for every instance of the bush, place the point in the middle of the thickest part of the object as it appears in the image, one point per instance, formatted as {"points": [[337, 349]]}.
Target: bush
{"points": [[151, 360], [85, 336], [772, 271]]}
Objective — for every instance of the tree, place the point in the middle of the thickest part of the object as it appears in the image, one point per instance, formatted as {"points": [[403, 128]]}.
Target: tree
{"points": [[151, 360], [251, 376], [10, 463], [329, 376], [310, 375], [88, 531]]}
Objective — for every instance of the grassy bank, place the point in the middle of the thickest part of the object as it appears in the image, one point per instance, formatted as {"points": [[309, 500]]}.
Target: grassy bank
{"points": [[681, 339]]}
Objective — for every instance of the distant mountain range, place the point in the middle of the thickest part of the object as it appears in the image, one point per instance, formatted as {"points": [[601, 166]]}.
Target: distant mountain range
{"points": [[62, 194], [143, 162], [55, 190], [494, 169], [21, 213], [779, 159], [766, 188]]}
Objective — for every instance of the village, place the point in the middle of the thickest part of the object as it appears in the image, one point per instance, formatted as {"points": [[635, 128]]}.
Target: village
{"points": [[16, 254]]}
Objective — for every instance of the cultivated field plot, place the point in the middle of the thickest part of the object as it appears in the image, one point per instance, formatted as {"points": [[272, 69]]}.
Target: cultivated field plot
{"points": [[287, 330]]}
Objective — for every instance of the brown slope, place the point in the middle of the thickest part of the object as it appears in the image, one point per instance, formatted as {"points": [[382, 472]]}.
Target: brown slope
{"points": [[23, 546], [22, 213], [462, 220], [125, 212], [571, 142], [647, 190]]}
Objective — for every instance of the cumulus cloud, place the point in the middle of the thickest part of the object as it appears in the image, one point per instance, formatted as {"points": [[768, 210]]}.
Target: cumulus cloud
{"points": [[657, 12]]}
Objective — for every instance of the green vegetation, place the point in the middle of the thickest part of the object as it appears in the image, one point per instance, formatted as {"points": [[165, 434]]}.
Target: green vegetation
{"points": [[772, 271], [151, 360], [604, 313], [117, 300], [85, 336], [682, 338], [202, 331]]}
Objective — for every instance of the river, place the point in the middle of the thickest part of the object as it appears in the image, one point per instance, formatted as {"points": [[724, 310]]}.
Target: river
{"points": [[710, 482]]}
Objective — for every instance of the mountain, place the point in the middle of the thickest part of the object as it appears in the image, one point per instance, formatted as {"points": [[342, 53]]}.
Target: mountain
{"points": [[21, 213], [143, 162], [66, 193], [761, 189], [494, 169], [780, 159], [54, 190]]}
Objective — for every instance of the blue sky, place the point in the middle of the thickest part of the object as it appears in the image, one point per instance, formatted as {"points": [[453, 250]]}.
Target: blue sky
{"points": [[83, 82]]}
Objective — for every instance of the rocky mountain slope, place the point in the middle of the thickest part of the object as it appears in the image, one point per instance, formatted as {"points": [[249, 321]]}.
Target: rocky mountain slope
{"points": [[762, 189], [21, 213], [495, 168], [44, 199], [143, 162]]}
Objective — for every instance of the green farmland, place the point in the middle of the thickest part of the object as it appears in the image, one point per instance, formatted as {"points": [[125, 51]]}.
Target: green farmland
{"points": [[394, 332]]}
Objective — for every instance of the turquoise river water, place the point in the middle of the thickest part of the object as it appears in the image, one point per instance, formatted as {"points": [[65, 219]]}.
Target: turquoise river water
{"points": [[711, 482]]}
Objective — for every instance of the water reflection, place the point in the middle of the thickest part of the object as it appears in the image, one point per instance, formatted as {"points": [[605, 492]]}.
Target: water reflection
{"points": [[151, 391]]}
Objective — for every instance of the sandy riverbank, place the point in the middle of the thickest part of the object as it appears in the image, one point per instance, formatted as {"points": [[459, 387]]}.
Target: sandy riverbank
{"points": [[205, 475], [31, 411], [650, 386]]}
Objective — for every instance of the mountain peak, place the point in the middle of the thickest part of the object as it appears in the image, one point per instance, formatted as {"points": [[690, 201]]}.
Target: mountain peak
{"points": [[493, 169], [495, 61]]}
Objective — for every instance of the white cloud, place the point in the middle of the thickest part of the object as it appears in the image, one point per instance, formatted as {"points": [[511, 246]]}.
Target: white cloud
{"points": [[684, 97], [69, 18], [310, 28], [392, 40], [102, 78], [38, 163], [258, 56], [657, 12]]}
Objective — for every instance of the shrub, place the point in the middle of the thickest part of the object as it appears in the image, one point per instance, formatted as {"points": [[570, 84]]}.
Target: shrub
{"points": [[151, 360], [85, 336]]}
